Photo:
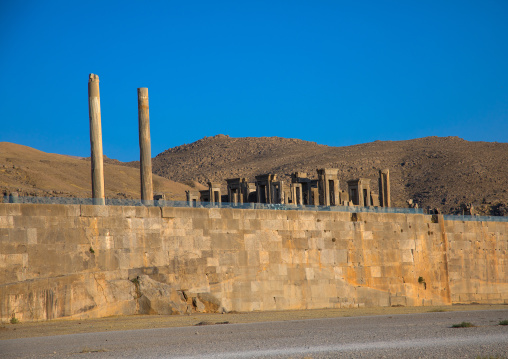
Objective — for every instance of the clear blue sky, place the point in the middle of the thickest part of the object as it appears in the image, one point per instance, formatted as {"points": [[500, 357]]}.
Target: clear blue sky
{"points": [[334, 72]]}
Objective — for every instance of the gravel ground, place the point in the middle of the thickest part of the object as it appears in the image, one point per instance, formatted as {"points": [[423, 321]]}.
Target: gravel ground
{"points": [[63, 326], [392, 335]]}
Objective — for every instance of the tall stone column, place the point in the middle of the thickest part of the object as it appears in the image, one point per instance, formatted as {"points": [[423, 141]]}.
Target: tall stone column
{"points": [[94, 109], [144, 146], [384, 187]]}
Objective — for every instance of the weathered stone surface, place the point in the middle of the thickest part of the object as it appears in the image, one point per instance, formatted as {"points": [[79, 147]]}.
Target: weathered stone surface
{"points": [[159, 298], [80, 261]]}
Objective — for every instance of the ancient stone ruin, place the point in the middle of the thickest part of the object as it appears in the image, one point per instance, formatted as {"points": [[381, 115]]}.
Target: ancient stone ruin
{"points": [[302, 191]]}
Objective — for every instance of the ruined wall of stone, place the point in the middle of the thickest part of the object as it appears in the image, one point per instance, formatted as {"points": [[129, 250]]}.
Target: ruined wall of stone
{"points": [[92, 261]]}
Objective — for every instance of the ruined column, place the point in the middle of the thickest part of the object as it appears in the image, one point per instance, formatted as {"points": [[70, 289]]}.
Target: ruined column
{"points": [[94, 109], [145, 157], [384, 187]]}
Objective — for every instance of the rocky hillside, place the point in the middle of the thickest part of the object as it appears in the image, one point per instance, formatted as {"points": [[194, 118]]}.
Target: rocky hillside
{"points": [[35, 173], [434, 171]]}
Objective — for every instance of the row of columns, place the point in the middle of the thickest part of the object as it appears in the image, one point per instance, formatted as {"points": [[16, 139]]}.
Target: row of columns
{"points": [[94, 109]]}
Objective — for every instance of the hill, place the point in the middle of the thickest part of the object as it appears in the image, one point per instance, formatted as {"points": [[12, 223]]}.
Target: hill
{"points": [[434, 171], [36, 173]]}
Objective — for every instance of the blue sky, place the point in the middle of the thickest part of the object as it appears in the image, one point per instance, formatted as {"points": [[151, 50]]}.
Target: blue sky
{"points": [[334, 72]]}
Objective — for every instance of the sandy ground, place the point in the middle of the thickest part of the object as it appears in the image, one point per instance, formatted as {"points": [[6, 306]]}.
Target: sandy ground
{"points": [[62, 326]]}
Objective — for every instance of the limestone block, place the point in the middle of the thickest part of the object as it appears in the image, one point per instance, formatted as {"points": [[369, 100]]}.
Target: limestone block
{"points": [[341, 256], [300, 243], [285, 236], [23, 222], [202, 242], [123, 258], [125, 211], [218, 224], [117, 223], [251, 242], [327, 257], [397, 301], [104, 242], [226, 213], [460, 245], [338, 226], [262, 214], [286, 256], [250, 259], [107, 260], [324, 290], [116, 211], [60, 210], [272, 242], [298, 257], [13, 240], [375, 271], [465, 297], [160, 298], [10, 209], [264, 257], [292, 225], [307, 225], [367, 235], [312, 243], [368, 256], [369, 297], [153, 224], [407, 244], [242, 288], [494, 296], [228, 258], [299, 234], [214, 213], [180, 212], [31, 236], [126, 240], [272, 224], [309, 273], [274, 257], [169, 212], [233, 224], [248, 214], [407, 256], [316, 233], [148, 212], [6, 222], [94, 211], [238, 213], [251, 225]]}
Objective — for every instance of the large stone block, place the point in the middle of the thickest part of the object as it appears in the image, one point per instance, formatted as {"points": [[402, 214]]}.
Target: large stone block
{"points": [[6, 222], [60, 210], [94, 211], [396, 301]]}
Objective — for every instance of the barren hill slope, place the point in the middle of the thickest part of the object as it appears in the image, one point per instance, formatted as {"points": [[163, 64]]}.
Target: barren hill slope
{"points": [[435, 171], [36, 173]]}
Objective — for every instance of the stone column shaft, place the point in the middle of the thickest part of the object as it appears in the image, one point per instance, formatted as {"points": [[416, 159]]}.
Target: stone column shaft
{"points": [[94, 109], [384, 187], [145, 156]]}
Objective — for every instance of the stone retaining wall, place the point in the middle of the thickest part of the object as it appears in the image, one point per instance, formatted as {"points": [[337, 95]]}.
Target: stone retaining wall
{"points": [[82, 261]]}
